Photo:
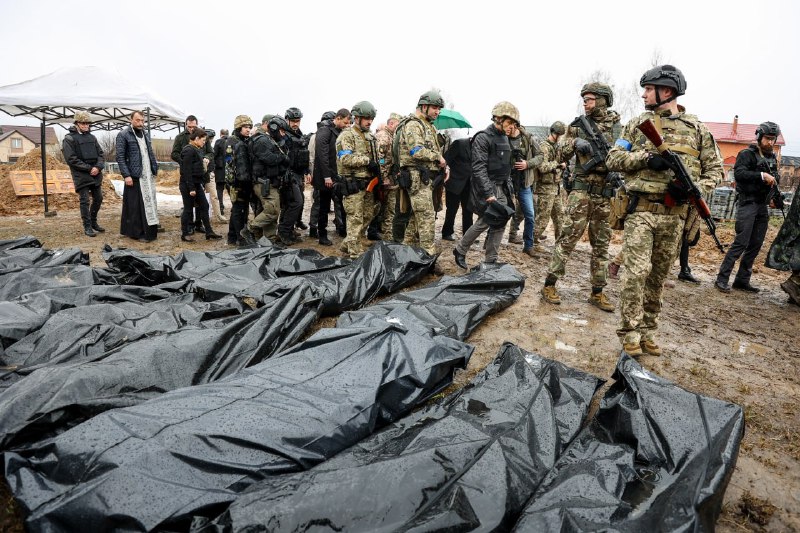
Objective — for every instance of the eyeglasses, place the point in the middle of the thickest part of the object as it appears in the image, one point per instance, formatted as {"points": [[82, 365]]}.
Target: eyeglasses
{"points": [[589, 98]]}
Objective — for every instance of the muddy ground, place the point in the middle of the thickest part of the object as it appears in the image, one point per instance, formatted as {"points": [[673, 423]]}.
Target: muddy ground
{"points": [[738, 347]]}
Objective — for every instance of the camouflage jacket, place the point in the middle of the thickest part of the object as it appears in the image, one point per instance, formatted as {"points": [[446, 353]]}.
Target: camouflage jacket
{"points": [[354, 151], [784, 254], [385, 158], [608, 123], [548, 173], [419, 146], [685, 135]]}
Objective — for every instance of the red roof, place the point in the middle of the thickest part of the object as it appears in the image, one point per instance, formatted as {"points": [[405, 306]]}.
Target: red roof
{"points": [[33, 133], [745, 133]]}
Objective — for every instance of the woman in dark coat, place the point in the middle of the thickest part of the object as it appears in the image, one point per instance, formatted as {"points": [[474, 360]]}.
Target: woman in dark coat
{"points": [[191, 185]]}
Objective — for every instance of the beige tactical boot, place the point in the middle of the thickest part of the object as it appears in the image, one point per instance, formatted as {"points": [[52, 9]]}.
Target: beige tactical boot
{"points": [[550, 295], [600, 301], [514, 238], [634, 350], [650, 347], [539, 249]]}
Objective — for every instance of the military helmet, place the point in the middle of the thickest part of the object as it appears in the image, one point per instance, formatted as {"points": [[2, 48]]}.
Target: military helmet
{"points": [[770, 129], [328, 115], [431, 98], [277, 123], [242, 120], [665, 76], [267, 118], [82, 116], [558, 128], [395, 116], [497, 214], [364, 109], [599, 89], [293, 114], [506, 109]]}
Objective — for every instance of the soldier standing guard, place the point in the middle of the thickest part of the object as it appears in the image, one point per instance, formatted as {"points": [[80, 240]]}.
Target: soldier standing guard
{"points": [[420, 158], [588, 202], [653, 229], [357, 164]]}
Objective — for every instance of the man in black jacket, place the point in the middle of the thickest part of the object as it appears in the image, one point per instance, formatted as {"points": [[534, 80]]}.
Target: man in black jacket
{"points": [[325, 168], [85, 159], [756, 175], [457, 188], [219, 167]]}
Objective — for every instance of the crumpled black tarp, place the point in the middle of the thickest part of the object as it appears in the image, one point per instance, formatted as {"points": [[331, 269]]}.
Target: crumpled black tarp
{"points": [[27, 313], [172, 352], [384, 268], [452, 306], [18, 283], [655, 458], [22, 242], [191, 451], [17, 259], [467, 463]]}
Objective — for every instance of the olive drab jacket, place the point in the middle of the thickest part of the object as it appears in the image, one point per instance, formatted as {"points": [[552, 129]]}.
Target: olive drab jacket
{"points": [[684, 134], [354, 151]]}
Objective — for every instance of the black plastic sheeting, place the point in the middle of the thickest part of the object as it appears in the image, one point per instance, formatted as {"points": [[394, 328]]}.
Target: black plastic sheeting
{"points": [[154, 348], [22, 242], [384, 268], [21, 282], [191, 451], [467, 463], [17, 259], [655, 458], [451, 306]]}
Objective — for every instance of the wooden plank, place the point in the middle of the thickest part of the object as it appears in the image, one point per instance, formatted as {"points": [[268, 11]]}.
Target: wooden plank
{"points": [[29, 182]]}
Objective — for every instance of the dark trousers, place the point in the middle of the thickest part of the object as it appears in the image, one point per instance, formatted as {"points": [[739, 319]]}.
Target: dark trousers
{"points": [[239, 212], [189, 202], [89, 212], [219, 181], [684, 255], [313, 217], [291, 208], [452, 202], [752, 220]]}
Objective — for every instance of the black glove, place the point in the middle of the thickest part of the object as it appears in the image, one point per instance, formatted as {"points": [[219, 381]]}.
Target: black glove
{"points": [[678, 192], [583, 147], [657, 162], [374, 169]]}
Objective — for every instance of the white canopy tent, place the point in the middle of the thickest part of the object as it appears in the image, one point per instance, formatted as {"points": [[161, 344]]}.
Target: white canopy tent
{"points": [[108, 97]]}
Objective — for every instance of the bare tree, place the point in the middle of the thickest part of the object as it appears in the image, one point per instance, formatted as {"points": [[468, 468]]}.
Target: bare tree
{"points": [[108, 143]]}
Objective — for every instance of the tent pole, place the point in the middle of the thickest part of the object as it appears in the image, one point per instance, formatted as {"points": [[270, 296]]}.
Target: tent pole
{"points": [[47, 213], [147, 117]]}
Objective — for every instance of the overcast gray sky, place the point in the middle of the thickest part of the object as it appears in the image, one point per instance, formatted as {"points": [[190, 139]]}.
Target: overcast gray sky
{"points": [[262, 57]]}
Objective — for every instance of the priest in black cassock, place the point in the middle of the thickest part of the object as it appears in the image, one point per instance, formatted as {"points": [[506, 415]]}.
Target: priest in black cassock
{"points": [[138, 166]]}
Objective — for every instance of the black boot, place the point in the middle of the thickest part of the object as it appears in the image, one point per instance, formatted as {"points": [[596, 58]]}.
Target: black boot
{"points": [[461, 259], [324, 240], [97, 227], [686, 275], [87, 229]]}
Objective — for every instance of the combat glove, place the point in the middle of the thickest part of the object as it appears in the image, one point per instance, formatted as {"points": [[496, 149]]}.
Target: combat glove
{"points": [[583, 147], [677, 192], [657, 162]]}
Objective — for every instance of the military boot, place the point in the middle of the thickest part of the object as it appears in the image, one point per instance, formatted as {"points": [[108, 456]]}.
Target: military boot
{"points": [[634, 350], [540, 250], [686, 275], [599, 300], [792, 289], [95, 226], [87, 229], [650, 347], [514, 238], [324, 240], [550, 295], [247, 237]]}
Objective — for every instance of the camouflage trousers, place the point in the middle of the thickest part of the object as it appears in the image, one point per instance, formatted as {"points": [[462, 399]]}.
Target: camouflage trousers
{"points": [[388, 213], [422, 220], [360, 209], [265, 224], [584, 209], [548, 205], [649, 249]]}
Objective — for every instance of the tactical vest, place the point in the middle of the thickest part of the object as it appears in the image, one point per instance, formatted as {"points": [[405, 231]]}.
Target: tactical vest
{"points": [[596, 175], [364, 144], [499, 164], [405, 157], [260, 170], [298, 153], [86, 147], [758, 190], [681, 134]]}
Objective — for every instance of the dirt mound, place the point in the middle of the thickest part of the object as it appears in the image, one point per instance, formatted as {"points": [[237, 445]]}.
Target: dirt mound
{"points": [[168, 178], [11, 204]]}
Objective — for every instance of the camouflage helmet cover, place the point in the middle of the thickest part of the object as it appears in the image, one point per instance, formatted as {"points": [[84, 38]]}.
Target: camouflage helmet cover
{"points": [[242, 120], [506, 109], [364, 109], [665, 76], [431, 98], [82, 116], [599, 89], [558, 128], [293, 113]]}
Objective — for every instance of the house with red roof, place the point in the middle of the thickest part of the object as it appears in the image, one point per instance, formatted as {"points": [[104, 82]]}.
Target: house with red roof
{"points": [[16, 141], [733, 137]]}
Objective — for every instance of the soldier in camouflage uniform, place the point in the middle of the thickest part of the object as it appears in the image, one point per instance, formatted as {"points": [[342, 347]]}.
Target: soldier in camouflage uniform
{"points": [[784, 254], [653, 230], [420, 159], [357, 163], [385, 137], [548, 186], [589, 201]]}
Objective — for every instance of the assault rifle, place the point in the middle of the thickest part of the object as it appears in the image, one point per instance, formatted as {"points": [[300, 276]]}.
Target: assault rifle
{"points": [[600, 150], [776, 197], [566, 179], [682, 180]]}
